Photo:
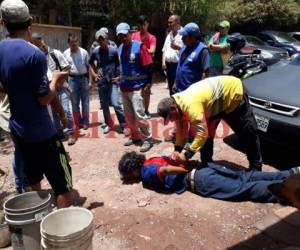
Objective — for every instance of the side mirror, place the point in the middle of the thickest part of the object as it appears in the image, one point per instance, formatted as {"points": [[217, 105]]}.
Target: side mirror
{"points": [[271, 42]]}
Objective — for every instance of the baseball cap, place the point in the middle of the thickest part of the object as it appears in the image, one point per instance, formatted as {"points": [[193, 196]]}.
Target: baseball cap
{"points": [[123, 28], [36, 35], [14, 11], [101, 33], [164, 108], [224, 24], [191, 29]]}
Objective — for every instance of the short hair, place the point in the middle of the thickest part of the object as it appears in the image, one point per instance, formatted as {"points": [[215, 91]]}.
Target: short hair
{"points": [[130, 162], [13, 27], [142, 19], [72, 36], [177, 18]]}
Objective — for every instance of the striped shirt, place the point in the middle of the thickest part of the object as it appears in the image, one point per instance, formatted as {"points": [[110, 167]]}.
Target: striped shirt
{"points": [[203, 100]]}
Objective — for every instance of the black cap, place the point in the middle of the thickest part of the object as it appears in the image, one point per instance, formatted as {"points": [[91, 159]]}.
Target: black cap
{"points": [[164, 108]]}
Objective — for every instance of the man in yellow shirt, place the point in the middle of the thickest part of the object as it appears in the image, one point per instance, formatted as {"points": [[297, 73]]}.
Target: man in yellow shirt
{"points": [[201, 107]]}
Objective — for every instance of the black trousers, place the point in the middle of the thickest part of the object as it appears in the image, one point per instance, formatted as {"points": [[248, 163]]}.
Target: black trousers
{"points": [[243, 123]]}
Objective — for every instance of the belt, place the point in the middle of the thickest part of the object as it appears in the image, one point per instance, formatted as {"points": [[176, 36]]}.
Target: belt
{"points": [[79, 76], [191, 180]]}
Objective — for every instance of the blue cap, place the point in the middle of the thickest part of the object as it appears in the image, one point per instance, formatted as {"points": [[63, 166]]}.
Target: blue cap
{"points": [[191, 29], [123, 28]]}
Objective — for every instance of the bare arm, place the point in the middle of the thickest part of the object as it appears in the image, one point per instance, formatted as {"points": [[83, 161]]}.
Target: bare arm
{"points": [[58, 79], [171, 170], [217, 47]]}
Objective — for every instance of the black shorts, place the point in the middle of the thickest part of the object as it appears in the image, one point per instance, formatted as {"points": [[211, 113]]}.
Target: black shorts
{"points": [[46, 158]]}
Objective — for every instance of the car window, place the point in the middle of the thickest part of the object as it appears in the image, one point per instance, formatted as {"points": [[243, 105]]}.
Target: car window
{"points": [[282, 37], [265, 37], [255, 40]]}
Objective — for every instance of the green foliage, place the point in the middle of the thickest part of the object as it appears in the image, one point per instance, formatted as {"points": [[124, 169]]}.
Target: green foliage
{"points": [[263, 13]]}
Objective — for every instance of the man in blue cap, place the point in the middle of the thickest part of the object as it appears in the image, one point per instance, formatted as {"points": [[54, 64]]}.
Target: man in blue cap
{"points": [[193, 64], [134, 59]]}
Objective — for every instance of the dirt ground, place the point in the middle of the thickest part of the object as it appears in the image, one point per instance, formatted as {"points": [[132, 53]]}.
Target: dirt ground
{"points": [[131, 217]]}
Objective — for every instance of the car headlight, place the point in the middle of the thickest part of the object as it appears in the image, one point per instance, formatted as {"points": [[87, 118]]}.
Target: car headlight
{"points": [[266, 54]]}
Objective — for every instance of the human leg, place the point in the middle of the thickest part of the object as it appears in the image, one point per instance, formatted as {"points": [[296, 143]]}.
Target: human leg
{"points": [[221, 183], [206, 152], [215, 71], [141, 121], [104, 92], [84, 96], [115, 100], [243, 123], [75, 99], [171, 76]]}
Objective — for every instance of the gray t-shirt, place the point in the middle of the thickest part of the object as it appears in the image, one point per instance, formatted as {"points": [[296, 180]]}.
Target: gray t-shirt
{"points": [[78, 60]]}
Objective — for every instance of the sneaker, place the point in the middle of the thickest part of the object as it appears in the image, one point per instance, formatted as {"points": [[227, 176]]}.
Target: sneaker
{"points": [[146, 146], [105, 129], [71, 141]]}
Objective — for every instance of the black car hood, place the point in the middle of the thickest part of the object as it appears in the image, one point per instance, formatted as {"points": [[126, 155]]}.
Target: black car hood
{"points": [[281, 83]]}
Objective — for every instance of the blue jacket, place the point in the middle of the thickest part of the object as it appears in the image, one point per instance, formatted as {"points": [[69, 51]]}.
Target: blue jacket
{"points": [[133, 74], [192, 63]]}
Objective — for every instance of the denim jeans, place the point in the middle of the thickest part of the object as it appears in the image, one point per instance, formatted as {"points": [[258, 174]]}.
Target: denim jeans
{"points": [[64, 100], [18, 166], [109, 93], [80, 94], [219, 182]]}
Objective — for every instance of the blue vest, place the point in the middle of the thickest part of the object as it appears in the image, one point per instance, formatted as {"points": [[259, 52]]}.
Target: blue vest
{"points": [[133, 75], [189, 69]]}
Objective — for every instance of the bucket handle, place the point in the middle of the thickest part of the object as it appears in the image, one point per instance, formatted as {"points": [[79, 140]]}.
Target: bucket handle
{"points": [[37, 218]]}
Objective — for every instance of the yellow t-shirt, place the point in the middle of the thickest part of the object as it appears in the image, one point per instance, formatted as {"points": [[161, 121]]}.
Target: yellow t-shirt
{"points": [[203, 100]]}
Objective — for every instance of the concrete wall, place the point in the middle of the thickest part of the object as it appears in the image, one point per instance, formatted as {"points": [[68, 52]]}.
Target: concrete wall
{"points": [[55, 36]]}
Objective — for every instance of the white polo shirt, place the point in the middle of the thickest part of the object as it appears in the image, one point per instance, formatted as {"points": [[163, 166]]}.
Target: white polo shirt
{"points": [[172, 55]]}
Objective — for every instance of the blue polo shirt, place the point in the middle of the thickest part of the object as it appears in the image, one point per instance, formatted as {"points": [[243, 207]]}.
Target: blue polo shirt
{"points": [[23, 74], [107, 63], [151, 177]]}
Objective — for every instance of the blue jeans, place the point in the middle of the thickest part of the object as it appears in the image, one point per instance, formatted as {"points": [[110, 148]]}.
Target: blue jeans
{"points": [[80, 93], [109, 92], [219, 182], [64, 100], [18, 166]]}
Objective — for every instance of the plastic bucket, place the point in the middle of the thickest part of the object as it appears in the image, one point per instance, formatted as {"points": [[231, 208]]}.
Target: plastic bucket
{"points": [[23, 214], [68, 229]]}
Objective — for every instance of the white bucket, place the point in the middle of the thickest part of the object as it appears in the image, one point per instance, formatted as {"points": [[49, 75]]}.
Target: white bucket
{"points": [[68, 229], [23, 214]]}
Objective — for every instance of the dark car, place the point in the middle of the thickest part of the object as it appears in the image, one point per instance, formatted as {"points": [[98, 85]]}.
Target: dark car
{"points": [[274, 96], [296, 35], [269, 53], [280, 40]]}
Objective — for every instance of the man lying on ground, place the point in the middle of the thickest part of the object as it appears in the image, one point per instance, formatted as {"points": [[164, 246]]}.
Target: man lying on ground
{"points": [[212, 180]]}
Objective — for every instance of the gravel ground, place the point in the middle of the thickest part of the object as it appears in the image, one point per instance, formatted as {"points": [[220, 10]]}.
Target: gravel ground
{"points": [[131, 217]]}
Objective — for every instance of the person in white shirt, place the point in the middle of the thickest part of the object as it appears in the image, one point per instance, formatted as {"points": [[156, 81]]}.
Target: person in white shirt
{"points": [[57, 61], [78, 58], [172, 45]]}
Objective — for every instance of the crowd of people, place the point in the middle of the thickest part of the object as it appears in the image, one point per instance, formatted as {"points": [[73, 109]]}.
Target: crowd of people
{"points": [[48, 93]]}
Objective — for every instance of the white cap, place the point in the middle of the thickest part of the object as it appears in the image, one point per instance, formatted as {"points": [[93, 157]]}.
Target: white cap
{"points": [[14, 11]]}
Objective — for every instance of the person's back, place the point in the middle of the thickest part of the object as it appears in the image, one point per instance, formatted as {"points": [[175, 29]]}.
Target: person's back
{"points": [[22, 68], [211, 96]]}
